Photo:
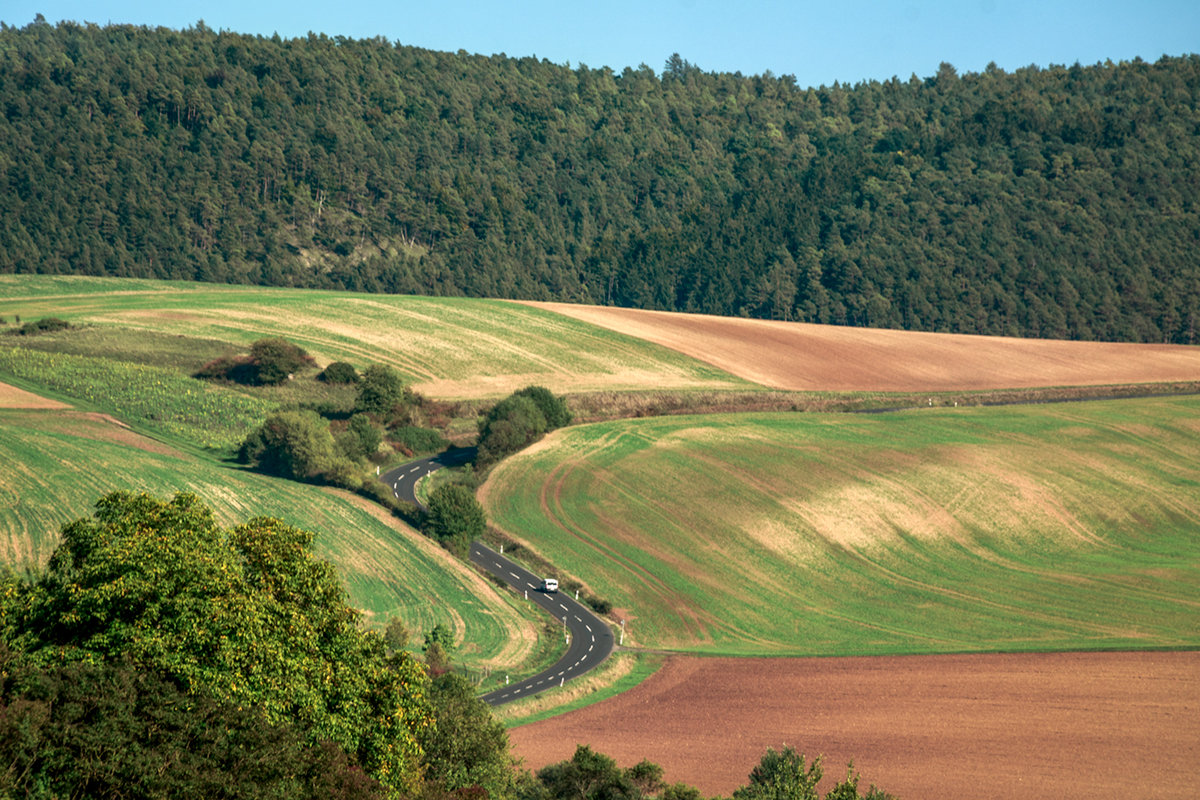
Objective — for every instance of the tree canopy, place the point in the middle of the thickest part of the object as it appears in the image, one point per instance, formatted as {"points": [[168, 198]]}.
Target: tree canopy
{"points": [[455, 518], [1053, 202], [247, 617]]}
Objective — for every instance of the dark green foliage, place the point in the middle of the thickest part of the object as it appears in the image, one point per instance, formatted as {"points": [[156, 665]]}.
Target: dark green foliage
{"points": [[439, 645], [361, 438], [271, 361], [599, 605], [109, 730], [553, 408], [455, 518], [248, 618], [512, 424], [467, 747], [1041, 202], [339, 372], [519, 420], [291, 444], [594, 776], [782, 775], [44, 325], [275, 360], [395, 636], [417, 440], [380, 390]]}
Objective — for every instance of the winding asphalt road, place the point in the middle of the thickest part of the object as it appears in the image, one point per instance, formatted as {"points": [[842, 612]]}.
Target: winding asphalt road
{"points": [[589, 638]]}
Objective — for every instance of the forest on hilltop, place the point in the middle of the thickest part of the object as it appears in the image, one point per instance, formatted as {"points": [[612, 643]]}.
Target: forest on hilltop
{"points": [[1057, 202]]}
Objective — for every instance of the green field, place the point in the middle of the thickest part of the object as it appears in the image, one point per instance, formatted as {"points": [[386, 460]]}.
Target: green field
{"points": [[55, 464], [451, 348], [1064, 526], [1050, 527]]}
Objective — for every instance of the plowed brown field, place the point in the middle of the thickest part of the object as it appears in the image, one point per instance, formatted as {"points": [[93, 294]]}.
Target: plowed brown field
{"points": [[1096, 725], [804, 357]]}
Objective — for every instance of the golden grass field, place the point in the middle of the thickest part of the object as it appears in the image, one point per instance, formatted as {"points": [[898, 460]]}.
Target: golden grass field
{"points": [[449, 348]]}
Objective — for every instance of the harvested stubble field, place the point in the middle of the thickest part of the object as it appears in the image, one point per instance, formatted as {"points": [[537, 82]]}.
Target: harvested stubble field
{"points": [[450, 348], [1106, 726]]}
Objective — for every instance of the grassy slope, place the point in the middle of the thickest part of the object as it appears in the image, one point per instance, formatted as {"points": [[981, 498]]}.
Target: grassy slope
{"points": [[55, 464], [962, 542], [1037, 527], [451, 348]]}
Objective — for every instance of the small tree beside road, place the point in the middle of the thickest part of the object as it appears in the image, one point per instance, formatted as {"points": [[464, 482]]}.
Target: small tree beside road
{"points": [[455, 518]]}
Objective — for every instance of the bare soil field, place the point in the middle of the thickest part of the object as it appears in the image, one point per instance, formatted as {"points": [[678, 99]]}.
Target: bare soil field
{"points": [[1002, 727], [804, 357]]}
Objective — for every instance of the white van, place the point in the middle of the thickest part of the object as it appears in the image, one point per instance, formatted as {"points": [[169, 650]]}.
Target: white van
{"points": [[549, 584]]}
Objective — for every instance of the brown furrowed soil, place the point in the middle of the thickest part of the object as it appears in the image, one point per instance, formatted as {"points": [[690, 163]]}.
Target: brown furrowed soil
{"points": [[800, 356], [1005, 726]]}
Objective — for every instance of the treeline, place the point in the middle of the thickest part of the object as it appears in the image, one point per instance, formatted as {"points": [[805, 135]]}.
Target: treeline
{"points": [[1056, 202]]}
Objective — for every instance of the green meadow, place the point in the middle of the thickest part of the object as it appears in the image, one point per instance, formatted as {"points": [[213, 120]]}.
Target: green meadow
{"points": [[1048, 527], [451, 348]]}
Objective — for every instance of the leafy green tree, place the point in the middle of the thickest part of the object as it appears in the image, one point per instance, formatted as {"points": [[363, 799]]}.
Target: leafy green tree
{"points": [[782, 775], [589, 775], [248, 617], [513, 423], [395, 636], [291, 444], [468, 746], [455, 518], [439, 645], [380, 390], [361, 438], [553, 408]]}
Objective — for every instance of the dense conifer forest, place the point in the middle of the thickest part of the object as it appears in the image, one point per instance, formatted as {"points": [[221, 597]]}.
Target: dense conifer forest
{"points": [[1045, 202]]}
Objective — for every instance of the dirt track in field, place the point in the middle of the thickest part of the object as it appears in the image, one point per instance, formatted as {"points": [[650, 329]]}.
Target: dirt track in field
{"points": [[1017, 726], [804, 357]]}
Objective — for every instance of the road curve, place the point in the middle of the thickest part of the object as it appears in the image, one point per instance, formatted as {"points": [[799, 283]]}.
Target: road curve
{"points": [[403, 479], [590, 640]]}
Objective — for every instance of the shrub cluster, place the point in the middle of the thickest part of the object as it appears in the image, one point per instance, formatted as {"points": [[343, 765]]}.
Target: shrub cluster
{"points": [[44, 325], [270, 362], [518, 421], [339, 372]]}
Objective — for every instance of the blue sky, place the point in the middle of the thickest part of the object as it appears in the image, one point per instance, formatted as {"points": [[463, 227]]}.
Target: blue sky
{"points": [[819, 43]]}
